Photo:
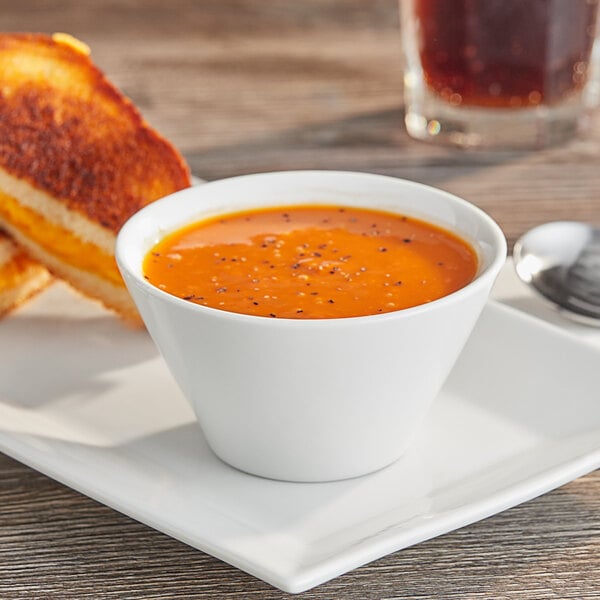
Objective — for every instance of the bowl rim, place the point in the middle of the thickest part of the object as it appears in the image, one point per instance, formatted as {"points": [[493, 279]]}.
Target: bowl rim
{"points": [[482, 278]]}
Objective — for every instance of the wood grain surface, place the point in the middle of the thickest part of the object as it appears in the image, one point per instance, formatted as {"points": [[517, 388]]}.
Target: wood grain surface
{"points": [[256, 85]]}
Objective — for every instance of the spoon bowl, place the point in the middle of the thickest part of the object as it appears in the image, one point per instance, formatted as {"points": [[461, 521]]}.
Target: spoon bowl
{"points": [[561, 262]]}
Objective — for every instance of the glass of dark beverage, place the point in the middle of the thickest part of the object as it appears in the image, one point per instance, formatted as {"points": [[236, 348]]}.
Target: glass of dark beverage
{"points": [[499, 73]]}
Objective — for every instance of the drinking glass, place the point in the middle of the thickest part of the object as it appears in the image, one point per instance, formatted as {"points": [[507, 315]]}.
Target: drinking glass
{"points": [[499, 73]]}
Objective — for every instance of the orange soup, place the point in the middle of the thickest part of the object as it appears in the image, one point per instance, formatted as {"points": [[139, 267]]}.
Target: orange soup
{"points": [[311, 262]]}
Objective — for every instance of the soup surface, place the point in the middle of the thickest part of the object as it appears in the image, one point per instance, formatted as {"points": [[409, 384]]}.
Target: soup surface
{"points": [[311, 262]]}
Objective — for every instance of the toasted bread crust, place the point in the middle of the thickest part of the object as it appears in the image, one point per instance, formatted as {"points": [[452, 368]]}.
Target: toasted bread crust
{"points": [[66, 130]]}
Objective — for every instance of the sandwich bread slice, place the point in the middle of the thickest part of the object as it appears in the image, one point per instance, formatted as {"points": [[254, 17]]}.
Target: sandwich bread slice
{"points": [[20, 277], [77, 159]]}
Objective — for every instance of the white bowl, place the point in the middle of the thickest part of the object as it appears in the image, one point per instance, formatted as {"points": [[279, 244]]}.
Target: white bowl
{"points": [[310, 400]]}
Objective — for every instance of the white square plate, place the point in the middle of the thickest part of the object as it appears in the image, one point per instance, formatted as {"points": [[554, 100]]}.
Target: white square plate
{"points": [[91, 404]]}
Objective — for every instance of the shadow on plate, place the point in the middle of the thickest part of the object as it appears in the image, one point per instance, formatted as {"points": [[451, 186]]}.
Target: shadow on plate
{"points": [[45, 358]]}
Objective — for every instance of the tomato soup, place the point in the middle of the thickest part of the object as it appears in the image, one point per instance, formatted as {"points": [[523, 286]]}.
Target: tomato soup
{"points": [[311, 262]]}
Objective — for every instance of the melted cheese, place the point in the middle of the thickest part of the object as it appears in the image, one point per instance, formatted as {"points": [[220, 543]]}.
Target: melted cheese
{"points": [[14, 271], [58, 241]]}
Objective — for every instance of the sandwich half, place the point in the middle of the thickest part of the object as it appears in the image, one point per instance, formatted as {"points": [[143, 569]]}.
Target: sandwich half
{"points": [[20, 277], [77, 159]]}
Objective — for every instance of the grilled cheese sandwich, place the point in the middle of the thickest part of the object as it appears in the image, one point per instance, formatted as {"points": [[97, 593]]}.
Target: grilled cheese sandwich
{"points": [[76, 161]]}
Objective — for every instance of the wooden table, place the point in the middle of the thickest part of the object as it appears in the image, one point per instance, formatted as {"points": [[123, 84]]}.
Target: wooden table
{"points": [[242, 86]]}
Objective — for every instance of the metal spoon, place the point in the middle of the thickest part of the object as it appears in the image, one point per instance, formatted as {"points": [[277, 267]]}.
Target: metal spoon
{"points": [[561, 261]]}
